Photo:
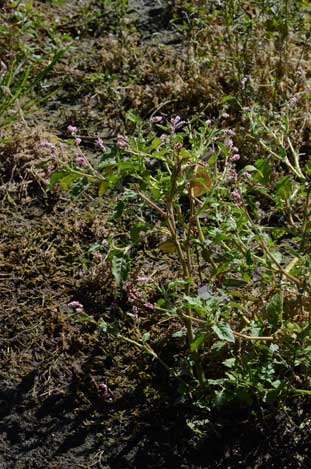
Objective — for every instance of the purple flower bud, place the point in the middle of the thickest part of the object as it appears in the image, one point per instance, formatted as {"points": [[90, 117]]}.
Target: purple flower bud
{"points": [[234, 157], [78, 141], [122, 141], [177, 146], [148, 305], [100, 144], [46, 144], [76, 306], [236, 196], [208, 122], [234, 176], [156, 119], [176, 123], [135, 311], [81, 161], [229, 143]]}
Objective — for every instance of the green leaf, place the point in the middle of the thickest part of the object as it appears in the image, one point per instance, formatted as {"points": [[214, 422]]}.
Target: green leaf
{"points": [[230, 362], [67, 181], [263, 172], [194, 347], [275, 309], [56, 177], [146, 336], [120, 268], [103, 186], [118, 210], [224, 332], [155, 143], [284, 187]]}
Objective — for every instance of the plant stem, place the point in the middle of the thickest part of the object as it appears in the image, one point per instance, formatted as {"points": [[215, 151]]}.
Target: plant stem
{"points": [[305, 218]]}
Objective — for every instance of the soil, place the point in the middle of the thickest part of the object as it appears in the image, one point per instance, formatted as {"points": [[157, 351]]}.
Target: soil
{"points": [[71, 396]]}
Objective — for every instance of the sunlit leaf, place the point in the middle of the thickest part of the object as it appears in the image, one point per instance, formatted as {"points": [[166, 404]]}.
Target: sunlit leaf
{"points": [[224, 332], [56, 177], [103, 186]]}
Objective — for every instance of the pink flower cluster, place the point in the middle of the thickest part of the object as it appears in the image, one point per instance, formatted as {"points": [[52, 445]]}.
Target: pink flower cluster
{"points": [[72, 129], [135, 297], [76, 306], [176, 123], [122, 141]]}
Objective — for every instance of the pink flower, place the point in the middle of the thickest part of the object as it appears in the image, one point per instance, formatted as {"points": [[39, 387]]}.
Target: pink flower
{"points": [[208, 122], [234, 157], [46, 144], [233, 176], [81, 161], [236, 196], [135, 311], [144, 279], [100, 144], [156, 119], [78, 141], [177, 146], [148, 305], [122, 141], [72, 129], [229, 143], [176, 123], [76, 306]]}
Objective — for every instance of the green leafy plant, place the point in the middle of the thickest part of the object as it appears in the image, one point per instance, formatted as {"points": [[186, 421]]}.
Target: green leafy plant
{"points": [[235, 279]]}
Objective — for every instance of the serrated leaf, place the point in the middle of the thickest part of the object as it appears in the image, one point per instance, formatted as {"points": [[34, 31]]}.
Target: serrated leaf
{"points": [[224, 332]]}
